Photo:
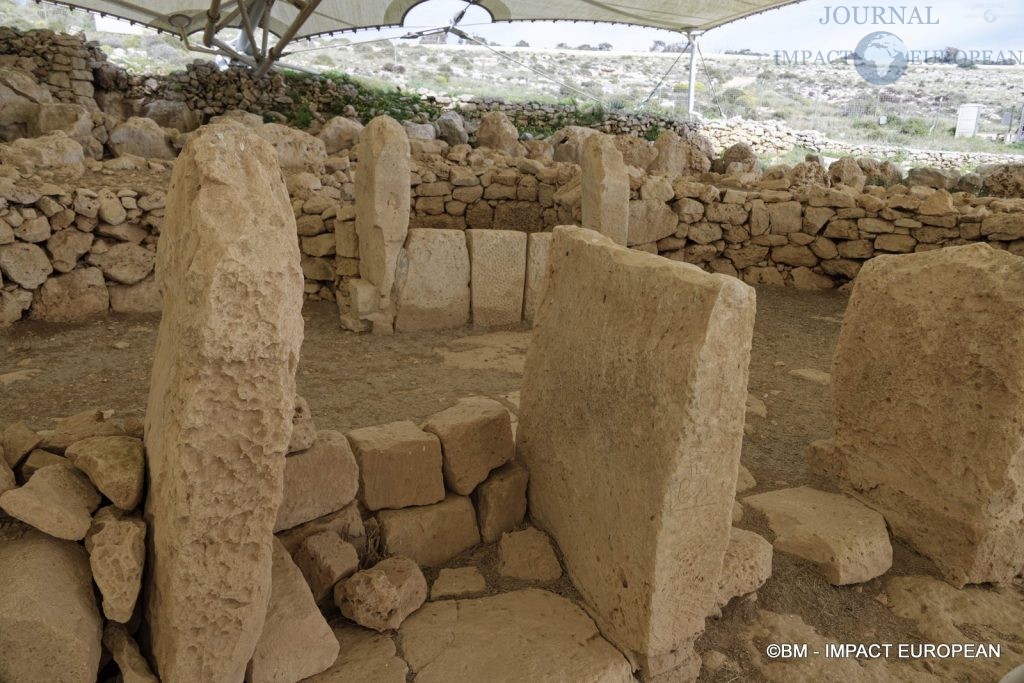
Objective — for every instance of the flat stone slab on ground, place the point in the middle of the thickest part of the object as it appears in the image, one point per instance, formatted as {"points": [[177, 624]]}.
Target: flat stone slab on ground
{"points": [[365, 656], [845, 539], [528, 635], [457, 583], [528, 555]]}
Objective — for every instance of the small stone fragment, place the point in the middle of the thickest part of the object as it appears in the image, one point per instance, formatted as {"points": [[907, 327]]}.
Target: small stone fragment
{"points": [[78, 427], [399, 465], [476, 437], [59, 500], [296, 641], [382, 597], [19, 441], [346, 522], [318, 481], [117, 553], [125, 651], [528, 555], [746, 567], [7, 480], [432, 534], [745, 480], [848, 541], [501, 501], [457, 583], [324, 559], [812, 375], [37, 460], [303, 428], [115, 464]]}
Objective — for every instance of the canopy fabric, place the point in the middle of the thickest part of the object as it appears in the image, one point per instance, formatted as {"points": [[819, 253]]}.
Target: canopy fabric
{"points": [[333, 16]]}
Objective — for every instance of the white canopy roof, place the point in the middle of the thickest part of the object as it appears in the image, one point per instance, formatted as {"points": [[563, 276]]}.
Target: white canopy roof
{"points": [[293, 19], [331, 16]]}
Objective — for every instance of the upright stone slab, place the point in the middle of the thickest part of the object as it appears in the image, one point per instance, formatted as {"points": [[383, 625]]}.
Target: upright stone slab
{"points": [[605, 188], [382, 201], [631, 422], [498, 265], [538, 247], [432, 286], [928, 393], [221, 402]]}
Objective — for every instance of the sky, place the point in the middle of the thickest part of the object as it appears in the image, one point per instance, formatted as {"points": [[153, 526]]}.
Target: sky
{"points": [[996, 25]]}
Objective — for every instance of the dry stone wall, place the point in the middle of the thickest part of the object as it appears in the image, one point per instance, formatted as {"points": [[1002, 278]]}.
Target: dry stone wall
{"points": [[71, 248]]}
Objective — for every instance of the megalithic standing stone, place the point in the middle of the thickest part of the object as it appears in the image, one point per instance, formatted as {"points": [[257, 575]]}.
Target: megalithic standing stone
{"points": [[382, 203], [631, 425], [605, 185], [220, 405]]}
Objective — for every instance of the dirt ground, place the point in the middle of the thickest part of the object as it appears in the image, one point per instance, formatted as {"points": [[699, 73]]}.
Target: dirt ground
{"points": [[48, 371]]}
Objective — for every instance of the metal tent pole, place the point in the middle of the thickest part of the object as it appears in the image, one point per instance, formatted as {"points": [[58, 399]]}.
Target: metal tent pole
{"points": [[691, 92]]}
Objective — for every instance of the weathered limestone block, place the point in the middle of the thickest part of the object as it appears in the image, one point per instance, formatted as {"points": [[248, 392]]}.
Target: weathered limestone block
{"points": [[49, 626], [117, 552], [142, 297], [528, 555], [125, 651], [221, 400], [73, 428], [365, 656], [25, 264], [318, 481], [296, 149], [71, 297], [430, 535], [340, 134], [140, 137], [382, 597], [605, 189], [476, 437], [498, 273], [612, 322], [538, 249], [497, 132], [746, 567], [303, 427], [382, 200], [432, 287], [936, 444], [501, 501], [542, 637], [58, 500], [18, 441], [346, 522], [296, 641], [650, 221], [325, 559], [846, 540], [399, 466], [115, 464]]}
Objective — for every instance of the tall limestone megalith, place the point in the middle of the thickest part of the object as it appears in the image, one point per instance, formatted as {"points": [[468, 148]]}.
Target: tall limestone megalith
{"points": [[382, 202], [631, 423], [221, 401], [927, 401], [605, 185]]}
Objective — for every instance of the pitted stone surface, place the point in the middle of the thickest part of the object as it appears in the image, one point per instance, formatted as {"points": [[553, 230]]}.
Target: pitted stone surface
{"points": [[433, 281], [498, 266], [928, 389], [221, 402]]}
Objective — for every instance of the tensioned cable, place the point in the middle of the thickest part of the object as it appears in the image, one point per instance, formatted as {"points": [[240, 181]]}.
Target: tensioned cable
{"points": [[663, 77], [711, 85]]}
